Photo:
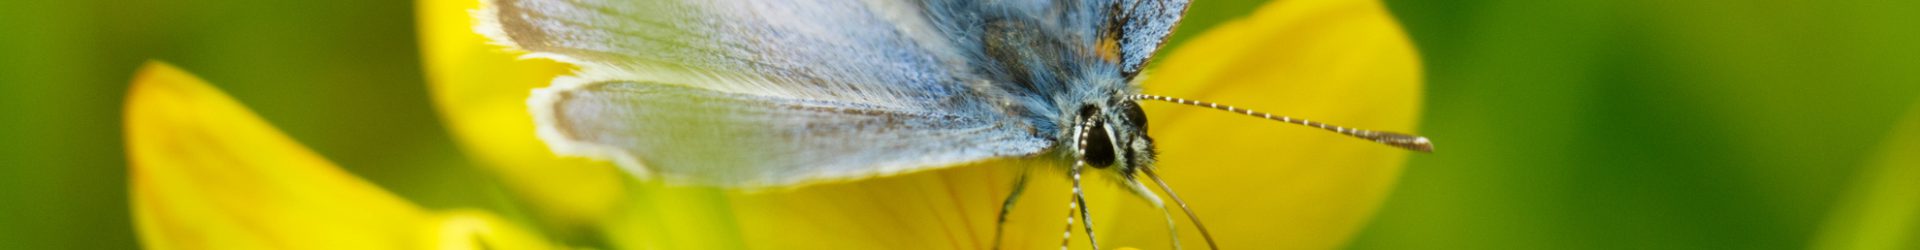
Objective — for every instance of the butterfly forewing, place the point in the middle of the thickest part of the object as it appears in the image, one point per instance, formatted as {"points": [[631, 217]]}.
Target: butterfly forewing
{"points": [[1145, 25], [880, 52]]}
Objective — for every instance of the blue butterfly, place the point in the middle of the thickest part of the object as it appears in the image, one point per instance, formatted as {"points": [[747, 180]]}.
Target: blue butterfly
{"points": [[762, 94]]}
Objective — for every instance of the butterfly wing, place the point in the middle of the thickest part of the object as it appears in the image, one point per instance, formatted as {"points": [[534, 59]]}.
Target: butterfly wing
{"points": [[756, 93], [1143, 26]]}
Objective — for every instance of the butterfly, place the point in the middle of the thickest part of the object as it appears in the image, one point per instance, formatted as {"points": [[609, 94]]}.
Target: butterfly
{"points": [[765, 94]]}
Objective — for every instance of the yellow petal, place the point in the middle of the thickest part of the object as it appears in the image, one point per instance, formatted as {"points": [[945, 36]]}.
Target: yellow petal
{"points": [[207, 173], [1882, 210], [1266, 185], [481, 91]]}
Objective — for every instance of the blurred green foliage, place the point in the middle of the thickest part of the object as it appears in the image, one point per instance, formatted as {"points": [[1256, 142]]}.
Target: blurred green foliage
{"points": [[1646, 124], [343, 77], [1561, 124]]}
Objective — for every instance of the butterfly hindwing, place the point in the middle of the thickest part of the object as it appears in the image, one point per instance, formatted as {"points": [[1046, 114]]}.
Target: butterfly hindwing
{"points": [[688, 135]]}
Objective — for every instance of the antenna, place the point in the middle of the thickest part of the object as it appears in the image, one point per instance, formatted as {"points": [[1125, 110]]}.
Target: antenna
{"points": [[1404, 141]]}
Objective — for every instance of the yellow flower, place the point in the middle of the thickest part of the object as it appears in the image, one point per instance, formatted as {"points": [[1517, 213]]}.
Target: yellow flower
{"points": [[207, 174], [1261, 185]]}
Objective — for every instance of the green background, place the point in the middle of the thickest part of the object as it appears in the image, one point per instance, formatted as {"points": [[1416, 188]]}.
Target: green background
{"points": [[1636, 124]]}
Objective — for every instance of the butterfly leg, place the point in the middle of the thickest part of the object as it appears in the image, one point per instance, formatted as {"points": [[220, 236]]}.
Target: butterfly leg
{"points": [[999, 226], [1140, 189]]}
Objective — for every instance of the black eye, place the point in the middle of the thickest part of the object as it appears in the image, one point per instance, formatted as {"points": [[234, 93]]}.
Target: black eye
{"points": [[1099, 148], [1135, 116]]}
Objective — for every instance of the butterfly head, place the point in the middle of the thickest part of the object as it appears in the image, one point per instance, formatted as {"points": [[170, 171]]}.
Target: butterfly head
{"points": [[1115, 137]]}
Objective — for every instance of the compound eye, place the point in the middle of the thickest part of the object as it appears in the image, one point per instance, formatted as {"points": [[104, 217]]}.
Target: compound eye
{"points": [[1099, 150], [1135, 116]]}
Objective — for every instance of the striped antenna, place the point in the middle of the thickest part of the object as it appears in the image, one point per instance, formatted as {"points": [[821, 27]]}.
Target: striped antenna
{"points": [[1405, 141], [1078, 200]]}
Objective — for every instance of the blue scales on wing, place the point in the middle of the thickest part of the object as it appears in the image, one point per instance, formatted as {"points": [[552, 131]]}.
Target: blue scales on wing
{"points": [[1144, 27]]}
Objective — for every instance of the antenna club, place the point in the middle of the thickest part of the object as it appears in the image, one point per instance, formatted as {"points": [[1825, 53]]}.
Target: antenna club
{"points": [[1403, 141], [1418, 144], [1425, 145]]}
